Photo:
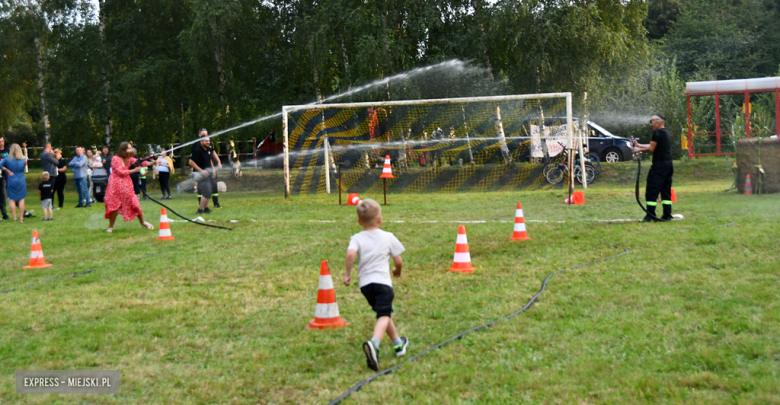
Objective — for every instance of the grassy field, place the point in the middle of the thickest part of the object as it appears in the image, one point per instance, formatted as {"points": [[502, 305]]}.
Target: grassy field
{"points": [[690, 315]]}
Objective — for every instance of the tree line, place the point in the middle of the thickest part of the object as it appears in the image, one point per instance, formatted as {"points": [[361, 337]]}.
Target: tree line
{"points": [[96, 72]]}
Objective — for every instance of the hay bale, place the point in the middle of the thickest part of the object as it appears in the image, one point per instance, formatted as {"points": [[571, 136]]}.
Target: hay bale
{"points": [[747, 160]]}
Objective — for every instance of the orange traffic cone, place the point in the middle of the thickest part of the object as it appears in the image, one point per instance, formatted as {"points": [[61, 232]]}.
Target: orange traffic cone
{"points": [[165, 227], [37, 261], [387, 171], [326, 314], [353, 199], [748, 186], [577, 198], [674, 197], [462, 260], [519, 233]]}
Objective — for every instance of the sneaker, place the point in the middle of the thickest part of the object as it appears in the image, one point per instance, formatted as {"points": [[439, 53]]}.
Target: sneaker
{"points": [[400, 350], [5, 217], [45, 219], [79, 206], [56, 208], [372, 355], [207, 210], [88, 206], [199, 212]]}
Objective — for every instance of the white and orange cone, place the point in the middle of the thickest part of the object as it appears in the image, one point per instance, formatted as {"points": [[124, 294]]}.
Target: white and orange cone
{"points": [[37, 261], [326, 314], [353, 199], [387, 171], [462, 260], [165, 227], [520, 232], [748, 186]]}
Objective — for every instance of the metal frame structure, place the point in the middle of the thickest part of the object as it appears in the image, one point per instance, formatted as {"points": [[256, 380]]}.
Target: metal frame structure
{"points": [[289, 108], [718, 88]]}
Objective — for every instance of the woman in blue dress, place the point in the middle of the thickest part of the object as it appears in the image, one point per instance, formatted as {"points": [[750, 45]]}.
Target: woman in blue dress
{"points": [[13, 168]]}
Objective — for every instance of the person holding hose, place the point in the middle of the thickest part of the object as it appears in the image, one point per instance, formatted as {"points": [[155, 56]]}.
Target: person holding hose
{"points": [[659, 178]]}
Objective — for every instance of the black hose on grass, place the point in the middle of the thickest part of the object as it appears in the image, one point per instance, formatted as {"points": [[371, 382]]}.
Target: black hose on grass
{"points": [[72, 275], [183, 217], [533, 299]]}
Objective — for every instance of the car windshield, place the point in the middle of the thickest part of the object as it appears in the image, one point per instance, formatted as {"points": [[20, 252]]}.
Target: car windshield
{"points": [[604, 132]]}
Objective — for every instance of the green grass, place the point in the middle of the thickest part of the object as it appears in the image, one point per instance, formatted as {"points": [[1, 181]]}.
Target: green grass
{"points": [[690, 315]]}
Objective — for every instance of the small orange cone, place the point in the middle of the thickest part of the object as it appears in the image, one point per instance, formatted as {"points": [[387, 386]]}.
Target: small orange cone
{"points": [[387, 171], [748, 186], [37, 261], [577, 198], [520, 232], [462, 260], [674, 197], [165, 227], [326, 314], [353, 199]]}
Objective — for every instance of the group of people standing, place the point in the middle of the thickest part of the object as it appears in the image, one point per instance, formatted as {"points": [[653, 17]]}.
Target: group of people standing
{"points": [[126, 178]]}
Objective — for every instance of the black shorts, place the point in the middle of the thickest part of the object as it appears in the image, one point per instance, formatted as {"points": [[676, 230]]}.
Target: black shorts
{"points": [[380, 297]]}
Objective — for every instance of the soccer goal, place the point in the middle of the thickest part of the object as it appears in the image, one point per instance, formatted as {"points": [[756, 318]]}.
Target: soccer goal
{"points": [[438, 145]]}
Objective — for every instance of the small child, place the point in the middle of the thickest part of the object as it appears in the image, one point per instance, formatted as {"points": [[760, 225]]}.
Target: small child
{"points": [[47, 195], [375, 247]]}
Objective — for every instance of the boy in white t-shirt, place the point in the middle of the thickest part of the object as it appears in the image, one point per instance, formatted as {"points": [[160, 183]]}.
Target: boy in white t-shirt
{"points": [[374, 247]]}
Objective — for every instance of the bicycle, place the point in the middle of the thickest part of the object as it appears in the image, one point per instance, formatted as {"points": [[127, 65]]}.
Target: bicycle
{"points": [[557, 173]]}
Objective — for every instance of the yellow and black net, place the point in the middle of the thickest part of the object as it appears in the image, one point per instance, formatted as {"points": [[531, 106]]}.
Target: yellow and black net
{"points": [[445, 146]]}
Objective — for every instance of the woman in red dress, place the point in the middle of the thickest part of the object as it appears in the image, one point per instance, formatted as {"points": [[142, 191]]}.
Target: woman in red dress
{"points": [[120, 197]]}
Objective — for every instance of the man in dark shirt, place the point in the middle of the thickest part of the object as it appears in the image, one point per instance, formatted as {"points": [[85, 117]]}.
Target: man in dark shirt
{"points": [[3, 154], [202, 171], [659, 179]]}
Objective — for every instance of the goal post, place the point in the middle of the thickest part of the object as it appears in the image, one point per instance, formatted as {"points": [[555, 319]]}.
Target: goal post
{"points": [[448, 145]]}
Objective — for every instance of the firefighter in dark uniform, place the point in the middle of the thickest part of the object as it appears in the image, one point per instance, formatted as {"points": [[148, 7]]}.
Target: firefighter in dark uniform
{"points": [[659, 179]]}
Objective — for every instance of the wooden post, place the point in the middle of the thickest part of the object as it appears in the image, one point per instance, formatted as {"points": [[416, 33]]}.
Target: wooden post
{"points": [[747, 115], [338, 165]]}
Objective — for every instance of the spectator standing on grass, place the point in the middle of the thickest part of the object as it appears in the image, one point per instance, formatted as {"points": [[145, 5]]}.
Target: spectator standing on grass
{"points": [[375, 247], [136, 177], [90, 162], [79, 165], [164, 166], [120, 198], [3, 180], [46, 188], [202, 171], [106, 158], [61, 179], [13, 170], [144, 170], [49, 161]]}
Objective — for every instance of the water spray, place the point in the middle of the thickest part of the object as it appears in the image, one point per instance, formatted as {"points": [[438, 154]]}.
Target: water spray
{"points": [[453, 64]]}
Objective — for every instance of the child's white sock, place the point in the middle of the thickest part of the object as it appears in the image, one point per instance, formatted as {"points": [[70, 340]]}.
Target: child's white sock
{"points": [[376, 342]]}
